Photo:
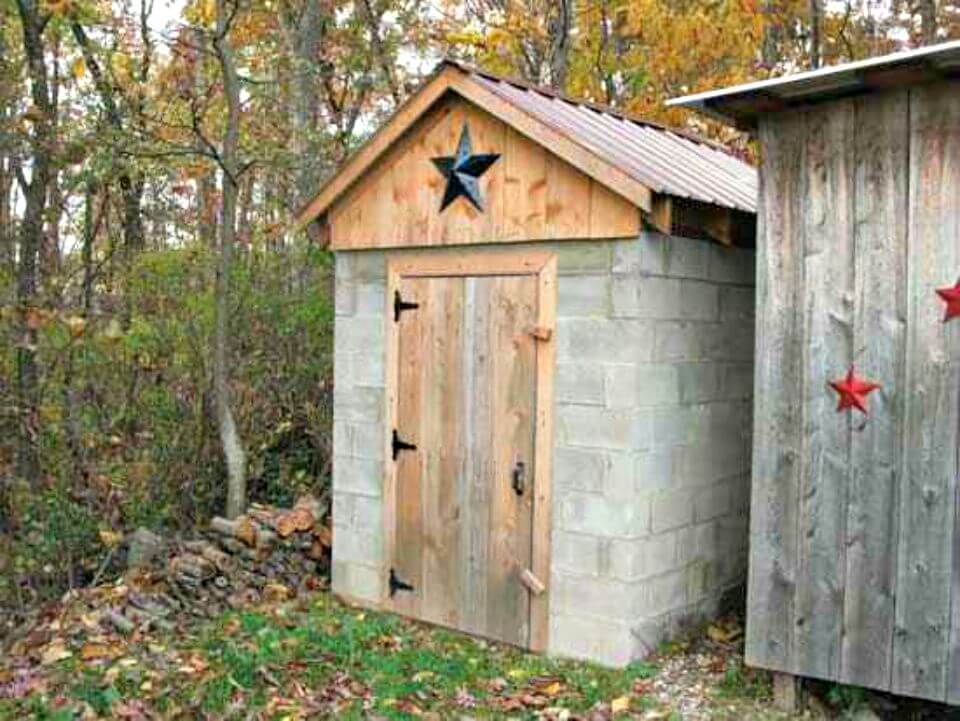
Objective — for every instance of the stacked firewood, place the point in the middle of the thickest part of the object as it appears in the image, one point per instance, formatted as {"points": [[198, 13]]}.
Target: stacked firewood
{"points": [[268, 554]]}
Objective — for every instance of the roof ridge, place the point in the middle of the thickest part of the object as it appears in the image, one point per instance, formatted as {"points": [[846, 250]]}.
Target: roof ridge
{"points": [[583, 102]]}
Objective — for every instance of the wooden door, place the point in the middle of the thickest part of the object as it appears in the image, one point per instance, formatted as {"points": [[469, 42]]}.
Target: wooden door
{"points": [[466, 387]]}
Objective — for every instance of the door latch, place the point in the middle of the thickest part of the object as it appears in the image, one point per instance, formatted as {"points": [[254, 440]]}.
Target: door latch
{"points": [[519, 482], [401, 445], [397, 585]]}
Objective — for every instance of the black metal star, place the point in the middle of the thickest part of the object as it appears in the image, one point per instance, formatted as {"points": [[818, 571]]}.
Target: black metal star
{"points": [[462, 171]]}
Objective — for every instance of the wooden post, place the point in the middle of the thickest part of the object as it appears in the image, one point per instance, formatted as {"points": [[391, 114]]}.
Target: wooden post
{"points": [[786, 692]]}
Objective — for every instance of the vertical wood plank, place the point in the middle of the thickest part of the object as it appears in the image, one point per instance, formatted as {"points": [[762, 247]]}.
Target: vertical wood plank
{"points": [[925, 568], [777, 392], [391, 408], [525, 188], [880, 231], [543, 463], [441, 448], [511, 390], [478, 464], [568, 200], [826, 338], [407, 545]]}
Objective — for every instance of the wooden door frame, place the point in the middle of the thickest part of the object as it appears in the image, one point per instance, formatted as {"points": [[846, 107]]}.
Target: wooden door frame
{"points": [[543, 266]]}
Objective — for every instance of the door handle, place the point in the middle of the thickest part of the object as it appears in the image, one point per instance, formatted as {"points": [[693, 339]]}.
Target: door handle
{"points": [[519, 482]]}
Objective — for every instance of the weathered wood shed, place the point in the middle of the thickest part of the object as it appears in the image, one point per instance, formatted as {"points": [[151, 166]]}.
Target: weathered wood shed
{"points": [[855, 537], [543, 366]]}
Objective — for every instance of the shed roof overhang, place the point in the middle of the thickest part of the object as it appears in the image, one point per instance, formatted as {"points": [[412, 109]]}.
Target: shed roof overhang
{"points": [[742, 105]]}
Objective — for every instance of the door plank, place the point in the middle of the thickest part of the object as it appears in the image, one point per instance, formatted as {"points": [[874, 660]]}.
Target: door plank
{"points": [[408, 512], [511, 389]]}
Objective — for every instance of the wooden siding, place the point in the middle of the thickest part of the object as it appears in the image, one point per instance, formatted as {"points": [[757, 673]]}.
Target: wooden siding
{"points": [[529, 193], [855, 546]]}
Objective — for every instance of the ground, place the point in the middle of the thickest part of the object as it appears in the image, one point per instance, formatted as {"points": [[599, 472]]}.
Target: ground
{"points": [[316, 657]]}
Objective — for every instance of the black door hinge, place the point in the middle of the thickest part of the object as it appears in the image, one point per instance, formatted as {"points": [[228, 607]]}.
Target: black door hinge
{"points": [[397, 585], [400, 305], [401, 445]]}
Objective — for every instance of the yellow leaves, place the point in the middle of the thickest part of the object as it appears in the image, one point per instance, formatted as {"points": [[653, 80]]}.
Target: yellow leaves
{"points": [[78, 69], [202, 12], [620, 705], [58, 7], [56, 651], [109, 538], [76, 325], [122, 66], [98, 651]]}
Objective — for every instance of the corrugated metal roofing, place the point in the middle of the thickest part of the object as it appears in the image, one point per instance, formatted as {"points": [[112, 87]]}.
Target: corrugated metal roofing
{"points": [[667, 161], [743, 104]]}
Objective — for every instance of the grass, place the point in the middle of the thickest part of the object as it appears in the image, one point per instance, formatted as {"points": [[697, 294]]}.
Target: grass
{"points": [[322, 659]]}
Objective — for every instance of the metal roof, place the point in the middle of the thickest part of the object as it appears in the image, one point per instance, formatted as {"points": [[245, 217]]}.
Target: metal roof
{"points": [[670, 162], [743, 104]]}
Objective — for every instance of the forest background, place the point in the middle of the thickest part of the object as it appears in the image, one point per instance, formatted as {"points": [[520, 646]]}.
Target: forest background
{"points": [[165, 339]]}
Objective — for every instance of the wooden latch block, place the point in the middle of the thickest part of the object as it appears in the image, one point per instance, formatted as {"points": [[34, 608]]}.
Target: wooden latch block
{"points": [[531, 582], [541, 333]]}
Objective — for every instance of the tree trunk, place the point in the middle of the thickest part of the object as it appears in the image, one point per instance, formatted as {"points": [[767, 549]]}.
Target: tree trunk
{"points": [[560, 32], [31, 236], [816, 32], [230, 169], [770, 50], [928, 21]]}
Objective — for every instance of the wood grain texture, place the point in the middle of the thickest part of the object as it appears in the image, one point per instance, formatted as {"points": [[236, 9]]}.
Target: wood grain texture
{"points": [[469, 381], [530, 193], [826, 330], [927, 499], [777, 398], [880, 241]]}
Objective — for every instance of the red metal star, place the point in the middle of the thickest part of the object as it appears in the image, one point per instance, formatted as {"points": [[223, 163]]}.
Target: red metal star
{"points": [[853, 391], [951, 297]]}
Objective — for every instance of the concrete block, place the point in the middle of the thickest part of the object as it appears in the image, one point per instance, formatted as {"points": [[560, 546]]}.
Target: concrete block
{"points": [[591, 427], [604, 642], [578, 554], [676, 341], [738, 303], [619, 482], [674, 426], [673, 256], [648, 635], [605, 598], [737, 381], [620, 386], [371, 300], [671, 509], [583, 257], [580, 383], [625, 296], [659, 298], [661, 594], [711, 501], [355, 581], [604, 517], [580, 296], [344, 297], [359, 334], [700, 382], [358, 545], [707, 461], [731, 265], [369, 266], [657, 384], [728, 342], [626, 257], [638, 559], [358, 440], [698, 300], [653, 469], [357, 475], [357, 403], [578, 469], [360, 369], [343, 263], [355, 511], [606, 341]]}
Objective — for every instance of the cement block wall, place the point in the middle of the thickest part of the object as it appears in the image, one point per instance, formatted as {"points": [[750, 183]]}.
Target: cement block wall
{"points": [[652, 437]]}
